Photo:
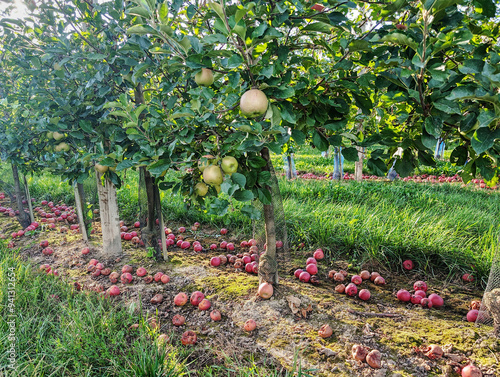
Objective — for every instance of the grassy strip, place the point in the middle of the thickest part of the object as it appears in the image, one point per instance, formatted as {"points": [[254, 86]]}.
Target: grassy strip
{"points": [[60, 332], [444, 228]]}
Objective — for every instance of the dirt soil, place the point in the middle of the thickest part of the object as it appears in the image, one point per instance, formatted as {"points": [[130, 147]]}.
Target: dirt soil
{"points": [[287, 324]]}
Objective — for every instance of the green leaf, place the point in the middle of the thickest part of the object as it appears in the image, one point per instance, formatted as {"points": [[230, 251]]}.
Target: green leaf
{"points": [[376, 166], [350, 154], [125, 164], [468, 122], [488, 7], [243, 195], [319, 27], [485, 118], [250, 211], [217, 8], [363, 102], [218, 207], [141, 30], [256, 162], [320, 142], [483, 139], [459, 155], [228, 188], [264, 178], [403, 167], [163, 13], [139, 11], [234, 61], [449, 107], [400, 39], [239, 179], [166, 185], [157, 168], [298, 136], [434, 126]]}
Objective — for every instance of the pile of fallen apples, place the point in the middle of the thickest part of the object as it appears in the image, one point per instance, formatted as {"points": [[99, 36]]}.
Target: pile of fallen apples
{"points": [[351, 289], [309, 274], [419, 296]]}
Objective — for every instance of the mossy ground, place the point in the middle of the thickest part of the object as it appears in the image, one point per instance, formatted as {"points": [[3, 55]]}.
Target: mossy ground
{"points": [[285, 338]]}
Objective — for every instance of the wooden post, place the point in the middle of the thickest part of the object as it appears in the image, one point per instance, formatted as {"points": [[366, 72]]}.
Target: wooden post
{"points": [[80, 211], [268, 264], [110, 218], [358, 165], [28, 198]]}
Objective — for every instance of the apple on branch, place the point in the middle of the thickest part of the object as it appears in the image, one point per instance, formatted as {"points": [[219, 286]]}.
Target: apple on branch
{"points": [[57, 136], [201, 189], [64, 147], [253, 103], [229, 165], [205, 77], [101, 168], [212, 175]]}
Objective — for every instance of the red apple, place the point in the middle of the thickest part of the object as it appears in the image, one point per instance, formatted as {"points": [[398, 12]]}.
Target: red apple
{"points": [[311, 260], [312, 269], [364, 294], [305, 276], [127, 268], [178, 320], [204, 304], [250, 325], [265, 290], [223, 231], [215, 261], [318, 254], [126, 278], [196, 298], [408, 265], [215, 315], [180, 299]]}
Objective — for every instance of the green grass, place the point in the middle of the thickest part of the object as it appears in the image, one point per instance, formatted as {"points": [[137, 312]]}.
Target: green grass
{"points": [[60, 332], [309, 160], [446, 229]]}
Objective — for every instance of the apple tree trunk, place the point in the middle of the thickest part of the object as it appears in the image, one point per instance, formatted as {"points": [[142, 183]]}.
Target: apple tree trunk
{"points": [[23, 217], [358, 165], [268, 264], [28, 199], [149, 236], [80, 210], [110, 218]]}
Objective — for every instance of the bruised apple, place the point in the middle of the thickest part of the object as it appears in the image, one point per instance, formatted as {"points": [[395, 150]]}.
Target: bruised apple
{"points": [[325, 331], [204, 304], [157, 299], [250, 325], [374, 359], [196, 298], [215, 315], [189, 337], [178, 320]]}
